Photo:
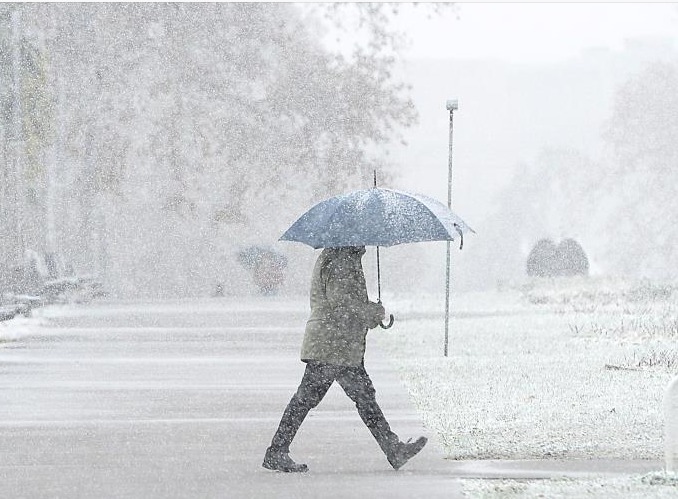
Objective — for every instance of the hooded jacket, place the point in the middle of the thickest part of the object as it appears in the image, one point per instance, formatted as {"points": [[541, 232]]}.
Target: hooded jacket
{"points": [[341, 312]]}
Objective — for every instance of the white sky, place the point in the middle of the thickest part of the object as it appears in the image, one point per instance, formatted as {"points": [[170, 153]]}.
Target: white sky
{"points": [[525, 32], [537, 31]]}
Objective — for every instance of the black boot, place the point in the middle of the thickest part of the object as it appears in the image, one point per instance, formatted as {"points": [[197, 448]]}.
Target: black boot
{"points": [[278, 460], [402, 452]]}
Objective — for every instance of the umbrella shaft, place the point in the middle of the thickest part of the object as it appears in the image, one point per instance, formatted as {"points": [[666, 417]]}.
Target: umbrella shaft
{"points": [[378, 277], [447, 301], [378, 269]]}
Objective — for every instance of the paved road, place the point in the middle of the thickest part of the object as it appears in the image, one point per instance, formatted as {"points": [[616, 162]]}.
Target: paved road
{"points": [[180, 400]]}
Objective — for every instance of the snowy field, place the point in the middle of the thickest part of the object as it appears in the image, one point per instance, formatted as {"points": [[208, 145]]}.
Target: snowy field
{"points": [[570, 369], [657, 486]]}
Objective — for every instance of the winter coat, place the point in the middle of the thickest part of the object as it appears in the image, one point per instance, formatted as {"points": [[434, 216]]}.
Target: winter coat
{"points": [[341, 313]]}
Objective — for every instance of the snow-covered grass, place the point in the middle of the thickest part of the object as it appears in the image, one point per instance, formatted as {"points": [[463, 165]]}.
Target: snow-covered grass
{"points": [[656, 485], [572, 368]]}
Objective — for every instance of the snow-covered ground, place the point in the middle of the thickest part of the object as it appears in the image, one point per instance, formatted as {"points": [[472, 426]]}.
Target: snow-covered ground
{"points": [[570, 368], [21, 326], [651, 485]]}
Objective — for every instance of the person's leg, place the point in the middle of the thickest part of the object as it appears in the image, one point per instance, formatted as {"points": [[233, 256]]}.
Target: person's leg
{"points": [[358, 386], [314, 385]]}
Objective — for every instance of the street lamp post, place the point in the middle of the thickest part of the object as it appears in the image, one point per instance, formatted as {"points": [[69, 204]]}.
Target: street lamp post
{"points": [[452, 105]]}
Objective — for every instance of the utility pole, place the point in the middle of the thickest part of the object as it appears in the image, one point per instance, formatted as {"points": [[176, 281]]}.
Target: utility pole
{"points": [[452, 105]]}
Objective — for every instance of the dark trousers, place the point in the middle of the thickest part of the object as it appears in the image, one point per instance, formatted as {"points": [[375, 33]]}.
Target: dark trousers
{"points": [[317, 380]]}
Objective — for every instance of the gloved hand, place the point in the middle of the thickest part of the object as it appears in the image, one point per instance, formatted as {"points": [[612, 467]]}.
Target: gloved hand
{"points": [[377, 314]]}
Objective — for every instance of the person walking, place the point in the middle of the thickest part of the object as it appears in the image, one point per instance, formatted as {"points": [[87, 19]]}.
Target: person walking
{"points": [[333, 350]]}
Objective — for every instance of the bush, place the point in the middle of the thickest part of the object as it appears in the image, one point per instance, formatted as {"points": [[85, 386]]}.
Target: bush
{"points": [[565, 260]]}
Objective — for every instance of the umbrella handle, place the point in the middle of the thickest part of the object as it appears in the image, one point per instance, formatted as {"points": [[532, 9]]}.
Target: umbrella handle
{"points": [[390, 322], [461, 234]]}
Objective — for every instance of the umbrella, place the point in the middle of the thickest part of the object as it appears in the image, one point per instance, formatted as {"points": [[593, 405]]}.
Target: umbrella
{"points": [[251, 256], [376, 217], [266, 265]]}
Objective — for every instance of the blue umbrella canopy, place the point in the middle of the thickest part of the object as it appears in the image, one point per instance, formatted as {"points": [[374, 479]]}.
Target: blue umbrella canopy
{"points": [[376, 217]]}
